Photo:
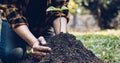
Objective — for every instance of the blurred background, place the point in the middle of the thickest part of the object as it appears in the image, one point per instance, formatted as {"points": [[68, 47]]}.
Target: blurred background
{"points": [[97, 24], [94, 15]]}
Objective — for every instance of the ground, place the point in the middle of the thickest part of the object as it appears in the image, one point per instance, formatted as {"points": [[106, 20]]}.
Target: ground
{"points": [[66, 49]]}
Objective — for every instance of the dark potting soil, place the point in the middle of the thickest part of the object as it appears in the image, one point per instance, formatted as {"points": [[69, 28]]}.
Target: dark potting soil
{"points": [[66, 49]]}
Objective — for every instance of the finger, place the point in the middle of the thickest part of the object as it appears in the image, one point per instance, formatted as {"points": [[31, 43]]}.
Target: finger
{"points": [[39, 55], [36, 53], [42, 40], [42, 48]]}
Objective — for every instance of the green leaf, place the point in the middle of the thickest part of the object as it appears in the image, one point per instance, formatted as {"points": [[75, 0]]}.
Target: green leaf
{"points": [[64, 8], [52, 8]]}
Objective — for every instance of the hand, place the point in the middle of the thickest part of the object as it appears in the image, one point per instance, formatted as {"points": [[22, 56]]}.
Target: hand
{"points": [[38, 50]]}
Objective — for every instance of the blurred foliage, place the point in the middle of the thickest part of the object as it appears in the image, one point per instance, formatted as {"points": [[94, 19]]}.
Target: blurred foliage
{"points": [[103, 10], [105, 44], [72, 6]]}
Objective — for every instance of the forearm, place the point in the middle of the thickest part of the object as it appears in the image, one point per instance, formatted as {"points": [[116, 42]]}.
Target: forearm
{"points": [[25, 34], [60, 25], [18, 22]]}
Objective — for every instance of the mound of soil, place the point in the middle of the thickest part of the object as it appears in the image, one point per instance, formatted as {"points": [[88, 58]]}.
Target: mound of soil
{"points": [[66, 49]]}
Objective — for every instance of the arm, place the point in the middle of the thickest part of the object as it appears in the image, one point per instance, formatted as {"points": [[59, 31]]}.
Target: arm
{"points": [[37, 49], [19, 24], [60, 25], [59, 15], [24, 33]]}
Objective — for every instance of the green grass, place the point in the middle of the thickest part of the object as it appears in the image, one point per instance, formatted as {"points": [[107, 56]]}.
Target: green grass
{"points": [[104, 44]]}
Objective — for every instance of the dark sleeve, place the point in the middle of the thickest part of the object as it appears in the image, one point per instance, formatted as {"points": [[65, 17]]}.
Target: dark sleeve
{"points": [[58, 3], [14, 15]]}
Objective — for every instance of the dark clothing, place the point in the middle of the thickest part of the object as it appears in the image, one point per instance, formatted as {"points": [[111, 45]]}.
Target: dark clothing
{"points": [[12, 47], [32, 13], [26, 12]]}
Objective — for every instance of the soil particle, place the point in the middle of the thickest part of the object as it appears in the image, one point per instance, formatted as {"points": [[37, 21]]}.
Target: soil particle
{"points": [[66, 49]]}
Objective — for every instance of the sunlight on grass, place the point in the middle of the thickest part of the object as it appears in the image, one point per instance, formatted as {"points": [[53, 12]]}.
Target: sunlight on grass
{"points": [[104, 32], [105, 44]]}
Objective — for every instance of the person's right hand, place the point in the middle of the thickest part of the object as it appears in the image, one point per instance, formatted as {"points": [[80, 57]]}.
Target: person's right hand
{"points": [[38, 50]]}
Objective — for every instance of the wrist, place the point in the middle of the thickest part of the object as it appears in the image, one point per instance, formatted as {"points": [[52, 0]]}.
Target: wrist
{"points": [[35, 43], [32, 42]]}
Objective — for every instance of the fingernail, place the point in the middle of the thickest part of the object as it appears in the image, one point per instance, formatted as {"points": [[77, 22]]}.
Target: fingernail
{"points": [[49, 49], [43, 43]]}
